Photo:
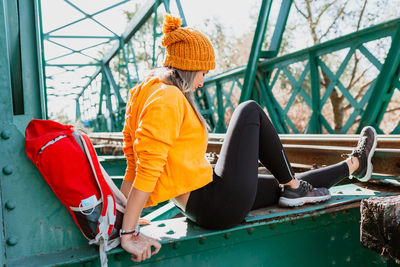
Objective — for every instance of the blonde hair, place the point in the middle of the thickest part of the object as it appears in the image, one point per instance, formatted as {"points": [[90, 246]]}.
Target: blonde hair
{"points": [[183, 79]]}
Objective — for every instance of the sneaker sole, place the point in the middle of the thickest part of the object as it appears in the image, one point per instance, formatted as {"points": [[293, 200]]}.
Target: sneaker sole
{"points": [[368, 174], [294, 202]]}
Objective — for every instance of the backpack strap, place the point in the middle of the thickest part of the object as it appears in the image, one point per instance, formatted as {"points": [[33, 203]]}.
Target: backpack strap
{"points": [[108, 213]]}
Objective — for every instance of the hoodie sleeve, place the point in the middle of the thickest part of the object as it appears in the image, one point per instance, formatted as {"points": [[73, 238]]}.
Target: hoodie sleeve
{"points": [[158, 128], [130, 172]]}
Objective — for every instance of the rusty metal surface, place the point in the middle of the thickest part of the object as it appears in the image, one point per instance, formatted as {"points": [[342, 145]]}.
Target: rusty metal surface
{"points": [[305, 151]]}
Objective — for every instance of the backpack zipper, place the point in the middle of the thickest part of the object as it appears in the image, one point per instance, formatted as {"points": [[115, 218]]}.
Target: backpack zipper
{"points": [[51, 142]]}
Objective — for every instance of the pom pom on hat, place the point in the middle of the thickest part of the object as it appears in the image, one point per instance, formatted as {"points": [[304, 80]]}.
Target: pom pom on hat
{"points": [[187, 48], [171, 23]]}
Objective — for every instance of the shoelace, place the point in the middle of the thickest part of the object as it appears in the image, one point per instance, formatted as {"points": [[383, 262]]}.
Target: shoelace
{"points": [[306, 186], [360, 147]]}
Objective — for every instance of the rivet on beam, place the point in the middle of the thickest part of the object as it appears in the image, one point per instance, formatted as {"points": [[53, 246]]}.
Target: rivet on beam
{"points": [[176, 245], [227, 235], [250, 230], [5, 134], [12, 241], [202, 240], [10, 205], [7, 170]]}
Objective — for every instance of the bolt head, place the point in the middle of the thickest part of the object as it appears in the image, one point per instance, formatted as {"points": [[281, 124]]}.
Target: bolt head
{"points": [[12, 241], [7, 170], [5, 134], [10, 205], [202, 240], [227, 235], [176, 245]]}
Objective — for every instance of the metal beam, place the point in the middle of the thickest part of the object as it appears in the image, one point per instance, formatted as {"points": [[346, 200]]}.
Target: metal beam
{"points": [[138, 20], [280, 28], [315, 122], [111, 82], [258, 39], [384, 86], [220, 128]]}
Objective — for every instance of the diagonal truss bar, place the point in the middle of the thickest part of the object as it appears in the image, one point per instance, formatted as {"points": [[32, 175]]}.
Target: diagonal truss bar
{"points": [[297, 88], [292, 80], [111, 82], [384, 87], [339, 84], [92, 15], [88, 16], [279, 28], [73, 51], [258, 40], [370, 57], [336, 77]]}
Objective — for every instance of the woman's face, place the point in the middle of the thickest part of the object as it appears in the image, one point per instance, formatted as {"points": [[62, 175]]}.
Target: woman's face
{"points": [[199, 79]]}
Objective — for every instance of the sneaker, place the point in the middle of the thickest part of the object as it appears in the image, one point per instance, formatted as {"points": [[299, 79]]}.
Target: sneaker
{"points": [[305, 193], [364, 151]]}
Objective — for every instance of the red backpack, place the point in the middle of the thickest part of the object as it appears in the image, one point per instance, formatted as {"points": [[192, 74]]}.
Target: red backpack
{"points": [[68, 162]]}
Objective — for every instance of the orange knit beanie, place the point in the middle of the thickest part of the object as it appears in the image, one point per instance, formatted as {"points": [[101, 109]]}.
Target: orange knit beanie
{"points": [[187, 48]]}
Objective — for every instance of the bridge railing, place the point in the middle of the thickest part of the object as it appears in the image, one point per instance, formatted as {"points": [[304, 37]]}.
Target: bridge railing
{"points": [[297, 89]]}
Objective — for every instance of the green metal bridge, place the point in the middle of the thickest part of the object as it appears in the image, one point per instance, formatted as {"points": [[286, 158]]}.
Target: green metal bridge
{"points": [[36, 230], [310, 77]]}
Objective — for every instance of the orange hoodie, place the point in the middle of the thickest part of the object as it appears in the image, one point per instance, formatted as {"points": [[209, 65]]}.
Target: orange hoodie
{"points": [[164, 142]]}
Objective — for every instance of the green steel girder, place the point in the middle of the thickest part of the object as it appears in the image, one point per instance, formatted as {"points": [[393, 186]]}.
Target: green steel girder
{"points": [[258, 40], [220, 107], [271, 106], [124, 47], [384, 86], [111, 82], [111, 115], [353, 42], [126, 60], [263, 238], [256, 53], [6, 102], [279, 29], [15, 57], [315, 124]]}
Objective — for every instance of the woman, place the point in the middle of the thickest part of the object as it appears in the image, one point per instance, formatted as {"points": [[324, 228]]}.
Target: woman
{"points": [[165, 140]]}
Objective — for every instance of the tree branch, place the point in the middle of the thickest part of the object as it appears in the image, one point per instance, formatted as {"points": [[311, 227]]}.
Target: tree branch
{"points": [[311, 23], [353, 72], [359, 77], [361, 14], [298, 10], [391, 110], [340, 12], [324, 9]]}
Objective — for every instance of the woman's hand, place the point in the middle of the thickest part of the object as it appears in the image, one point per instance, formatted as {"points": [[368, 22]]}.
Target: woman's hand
{"points": [[140, 249]]}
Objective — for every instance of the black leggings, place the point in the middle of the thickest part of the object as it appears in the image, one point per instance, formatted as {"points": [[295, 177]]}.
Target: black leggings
{"points": [[236, 187]]}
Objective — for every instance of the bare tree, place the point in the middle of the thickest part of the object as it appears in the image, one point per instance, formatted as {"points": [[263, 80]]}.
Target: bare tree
{"points": [[335, 12]]}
